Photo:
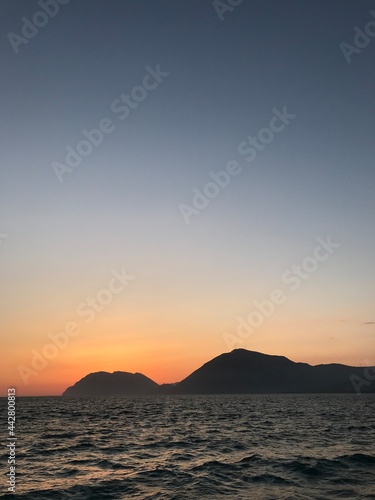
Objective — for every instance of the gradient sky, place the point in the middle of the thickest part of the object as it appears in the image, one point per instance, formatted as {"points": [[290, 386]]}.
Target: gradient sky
{"points": [[120, 207]]}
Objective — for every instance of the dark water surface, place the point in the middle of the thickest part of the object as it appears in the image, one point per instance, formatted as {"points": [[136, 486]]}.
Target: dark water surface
{"points": [[192, 447]]}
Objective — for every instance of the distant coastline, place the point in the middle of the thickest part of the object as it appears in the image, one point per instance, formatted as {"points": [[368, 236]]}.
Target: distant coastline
{"points": [[238, 372]]}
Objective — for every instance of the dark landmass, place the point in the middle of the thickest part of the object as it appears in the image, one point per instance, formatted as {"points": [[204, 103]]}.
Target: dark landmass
{"points": [[242, 371], [237, 372], [112, 384]]}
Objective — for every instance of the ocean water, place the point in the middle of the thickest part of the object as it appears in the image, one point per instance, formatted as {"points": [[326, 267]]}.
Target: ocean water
{"points": [[195, 447]]}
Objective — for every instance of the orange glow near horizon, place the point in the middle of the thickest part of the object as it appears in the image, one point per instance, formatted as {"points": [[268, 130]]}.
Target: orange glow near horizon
{"points": [[166, 337], [173, 358], [164, 178]]}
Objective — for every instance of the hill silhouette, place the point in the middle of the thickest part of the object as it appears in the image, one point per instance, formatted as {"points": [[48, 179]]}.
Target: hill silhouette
{"points": [[242, 371], [238, 372], [112, 384]]}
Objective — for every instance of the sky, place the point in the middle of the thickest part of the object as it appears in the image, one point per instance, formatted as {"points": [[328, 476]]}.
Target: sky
{"points": [[131, 256]]}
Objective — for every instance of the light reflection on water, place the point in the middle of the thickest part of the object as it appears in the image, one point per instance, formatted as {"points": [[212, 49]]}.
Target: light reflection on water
{"points": [[253, 446]]}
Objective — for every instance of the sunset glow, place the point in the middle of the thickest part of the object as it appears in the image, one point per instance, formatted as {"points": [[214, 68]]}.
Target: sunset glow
{"points": [[206, 160]]}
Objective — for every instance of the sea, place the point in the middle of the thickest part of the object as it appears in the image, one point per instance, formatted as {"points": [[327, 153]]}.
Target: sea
{"points": [[194, 447]]}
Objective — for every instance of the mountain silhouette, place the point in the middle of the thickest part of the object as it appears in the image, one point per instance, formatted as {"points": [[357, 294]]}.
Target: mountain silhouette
{"points": [[112, 384], [238, 372], [242, 371]]}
